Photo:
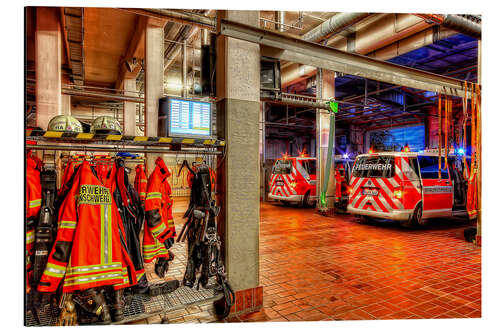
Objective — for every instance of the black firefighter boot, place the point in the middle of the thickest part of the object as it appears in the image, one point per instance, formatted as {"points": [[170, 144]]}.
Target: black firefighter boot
{"points": [[118, 306], [93, 304]]}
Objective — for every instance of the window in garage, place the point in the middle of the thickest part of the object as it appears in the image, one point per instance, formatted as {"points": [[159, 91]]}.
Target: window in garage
{"points": [[396, 138]]}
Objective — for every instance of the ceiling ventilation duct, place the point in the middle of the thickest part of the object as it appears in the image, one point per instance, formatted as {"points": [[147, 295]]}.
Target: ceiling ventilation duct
{"points": [[333, 25]]}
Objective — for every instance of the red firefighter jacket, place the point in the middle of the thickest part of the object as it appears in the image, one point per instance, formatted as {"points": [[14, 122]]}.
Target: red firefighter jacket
{"points": [[140, 181], [33, 205], [88, 251], [159, 224]]}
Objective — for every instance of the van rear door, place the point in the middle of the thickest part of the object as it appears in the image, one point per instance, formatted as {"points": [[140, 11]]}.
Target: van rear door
{"points": [[438, 193], [373, 184], [281, 178], [411, 191]]}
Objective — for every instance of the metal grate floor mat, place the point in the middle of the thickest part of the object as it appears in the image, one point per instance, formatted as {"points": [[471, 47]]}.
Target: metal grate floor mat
{"points": [[141, 306]]}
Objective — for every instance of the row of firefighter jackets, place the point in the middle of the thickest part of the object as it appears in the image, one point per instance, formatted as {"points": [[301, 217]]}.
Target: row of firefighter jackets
{"points": [[33, 205], [99, 221]]}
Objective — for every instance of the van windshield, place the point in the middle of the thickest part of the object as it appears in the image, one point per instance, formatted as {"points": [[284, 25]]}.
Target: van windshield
{"points": [[282, 167], [374, 167]]}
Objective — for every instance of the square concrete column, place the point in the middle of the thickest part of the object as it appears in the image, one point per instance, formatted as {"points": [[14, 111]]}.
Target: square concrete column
{"points": [[129, 108], [325, 89], [48, 51], [238, 113], [153, 81]]}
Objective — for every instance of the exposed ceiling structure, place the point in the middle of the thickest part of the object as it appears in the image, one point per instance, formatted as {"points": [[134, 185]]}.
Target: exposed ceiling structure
{"points": [[112, 36]]}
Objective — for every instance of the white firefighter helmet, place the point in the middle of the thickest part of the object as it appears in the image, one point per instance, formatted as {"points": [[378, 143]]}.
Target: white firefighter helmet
{"points": [[105, 125], [65, 123]]}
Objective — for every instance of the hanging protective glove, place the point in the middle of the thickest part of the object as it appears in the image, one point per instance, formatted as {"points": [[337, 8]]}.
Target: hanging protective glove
{"points": [[161, 267], [68, 316]]}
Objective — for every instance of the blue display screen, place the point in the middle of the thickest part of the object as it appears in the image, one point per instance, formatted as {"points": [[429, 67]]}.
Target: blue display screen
{"points": [[189, 118]]}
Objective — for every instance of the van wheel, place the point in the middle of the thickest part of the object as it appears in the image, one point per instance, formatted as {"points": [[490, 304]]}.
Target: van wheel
{"points": [[308, 201], [416, 218]]}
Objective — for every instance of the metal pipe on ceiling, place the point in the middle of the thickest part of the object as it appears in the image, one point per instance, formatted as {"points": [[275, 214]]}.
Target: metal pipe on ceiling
{"points": [[99, 95], [379, 33], [333, 25], [455, 22]]}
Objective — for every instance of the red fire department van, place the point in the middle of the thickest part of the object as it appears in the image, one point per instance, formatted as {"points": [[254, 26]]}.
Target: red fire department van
{"points": [[293, 179], [407, 187]]}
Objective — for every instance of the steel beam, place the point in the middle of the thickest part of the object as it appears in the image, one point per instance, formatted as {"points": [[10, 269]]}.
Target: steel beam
{"points": [[286, 47]]}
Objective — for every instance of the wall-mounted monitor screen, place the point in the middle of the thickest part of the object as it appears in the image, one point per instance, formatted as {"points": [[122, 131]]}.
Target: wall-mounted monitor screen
{"points": [[189, 118]]}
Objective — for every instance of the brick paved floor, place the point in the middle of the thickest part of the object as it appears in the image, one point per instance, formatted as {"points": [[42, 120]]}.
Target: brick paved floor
{"points": [[318, 268]]}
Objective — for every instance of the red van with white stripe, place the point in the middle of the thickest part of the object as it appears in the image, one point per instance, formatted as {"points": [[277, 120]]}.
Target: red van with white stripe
{"points": [[293, 179], [406, 186]]}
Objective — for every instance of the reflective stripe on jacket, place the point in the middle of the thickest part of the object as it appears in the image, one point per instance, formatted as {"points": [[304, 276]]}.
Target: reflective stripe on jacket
{"points": [[159, 224]]}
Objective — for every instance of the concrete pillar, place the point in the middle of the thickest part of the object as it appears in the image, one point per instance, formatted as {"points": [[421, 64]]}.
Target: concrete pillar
{"points": [[325, 89], [48, 51], [129, 108], [153, 81], [238, 112]]}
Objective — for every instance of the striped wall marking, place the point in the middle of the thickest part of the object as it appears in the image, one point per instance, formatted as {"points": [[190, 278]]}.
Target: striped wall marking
{"points": [[86, 136], [53, 134], [114, 137], [140, 138], [208, 142], [165, 140], [187, 141]]}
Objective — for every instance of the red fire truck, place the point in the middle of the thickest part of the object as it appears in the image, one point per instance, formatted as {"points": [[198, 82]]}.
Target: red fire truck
{"points": [[293, 179], [407, 186]]}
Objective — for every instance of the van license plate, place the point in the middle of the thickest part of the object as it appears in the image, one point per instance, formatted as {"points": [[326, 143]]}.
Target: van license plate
{"points": [[280, 183], [368, 191]]}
